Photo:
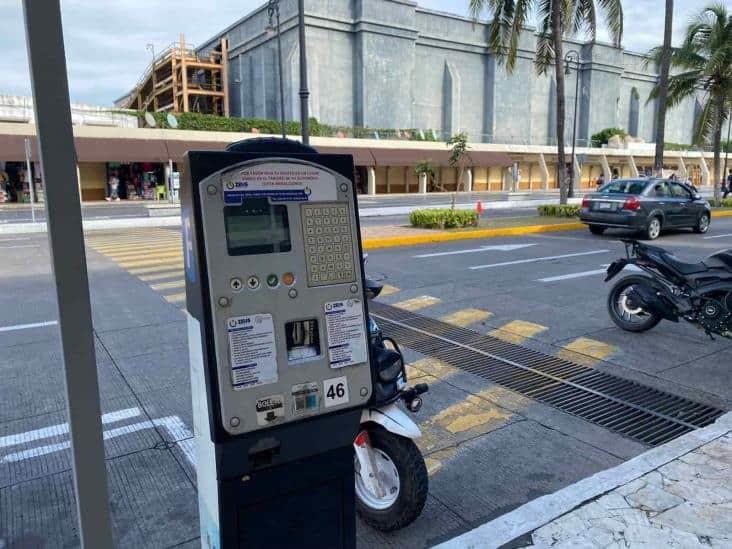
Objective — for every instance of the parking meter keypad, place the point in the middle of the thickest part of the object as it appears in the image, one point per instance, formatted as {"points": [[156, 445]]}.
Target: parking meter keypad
{"points": [[328, 244]]}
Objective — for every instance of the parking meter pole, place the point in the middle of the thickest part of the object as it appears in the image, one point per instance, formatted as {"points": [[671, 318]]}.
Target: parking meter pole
{"points": [[277, 331], [63, 210]]}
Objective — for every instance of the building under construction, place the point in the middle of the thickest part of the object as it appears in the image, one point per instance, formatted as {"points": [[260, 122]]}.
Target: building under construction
{"points": [[179, 80]]}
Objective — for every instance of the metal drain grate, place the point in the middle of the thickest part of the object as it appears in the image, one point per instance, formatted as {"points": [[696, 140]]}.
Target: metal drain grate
{"points": [[642, 413]]}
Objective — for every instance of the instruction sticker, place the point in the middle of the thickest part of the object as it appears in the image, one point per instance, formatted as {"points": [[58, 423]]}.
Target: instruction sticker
{"points": [[252, 350], [285, 182], [346, 335], [305, 398], [269, 409]]}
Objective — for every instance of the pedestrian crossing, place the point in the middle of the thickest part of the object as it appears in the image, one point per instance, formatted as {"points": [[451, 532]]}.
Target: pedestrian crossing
{"points": [[155, 257]]}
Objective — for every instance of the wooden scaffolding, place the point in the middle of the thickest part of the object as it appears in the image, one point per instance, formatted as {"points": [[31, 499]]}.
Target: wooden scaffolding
{"points": [[180, 81]]}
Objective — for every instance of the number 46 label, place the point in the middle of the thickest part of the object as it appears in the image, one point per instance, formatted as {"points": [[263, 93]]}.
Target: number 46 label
{"points": [[335, 391]]}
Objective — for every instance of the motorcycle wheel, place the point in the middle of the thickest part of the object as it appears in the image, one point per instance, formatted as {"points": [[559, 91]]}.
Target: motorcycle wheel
{"points": [[623, 312], [402, 470]]}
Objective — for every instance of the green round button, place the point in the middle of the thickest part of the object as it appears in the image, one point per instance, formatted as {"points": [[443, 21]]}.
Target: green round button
{"points": [[272, 280]]}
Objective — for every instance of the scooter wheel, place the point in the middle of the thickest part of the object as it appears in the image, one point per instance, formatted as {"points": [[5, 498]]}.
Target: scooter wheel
{"points": [[405, 474]]}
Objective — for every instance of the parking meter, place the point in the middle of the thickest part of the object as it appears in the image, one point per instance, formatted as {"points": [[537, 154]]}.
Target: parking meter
{"points": [[278, 342]]}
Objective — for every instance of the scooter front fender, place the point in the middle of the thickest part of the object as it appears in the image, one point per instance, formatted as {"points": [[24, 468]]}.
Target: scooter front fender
{"points": [[392, 418]]}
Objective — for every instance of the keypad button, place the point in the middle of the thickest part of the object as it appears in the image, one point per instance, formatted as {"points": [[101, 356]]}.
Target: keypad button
{"points": [[309, 230], [318, 230]]}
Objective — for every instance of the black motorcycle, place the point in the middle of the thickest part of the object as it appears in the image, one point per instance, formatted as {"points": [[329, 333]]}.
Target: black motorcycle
{"points": [[700, 293]]}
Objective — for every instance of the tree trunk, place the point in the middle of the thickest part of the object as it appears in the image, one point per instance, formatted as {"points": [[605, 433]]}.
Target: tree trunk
{"points": [[663, 89], [717, 143], [557, 33]]}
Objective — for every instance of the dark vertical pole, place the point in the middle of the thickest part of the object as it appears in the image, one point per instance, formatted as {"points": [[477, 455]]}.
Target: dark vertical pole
{"points": [[279, 60], [570, 191], [726, 150], [304, 93], [47, 62]]}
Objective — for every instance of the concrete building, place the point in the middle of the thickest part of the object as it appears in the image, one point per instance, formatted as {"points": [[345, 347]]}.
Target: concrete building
{"points": [[392, 64]]}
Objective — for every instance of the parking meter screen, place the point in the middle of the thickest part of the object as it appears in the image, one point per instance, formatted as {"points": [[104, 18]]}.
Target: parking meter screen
{"points": [[257, 227]]}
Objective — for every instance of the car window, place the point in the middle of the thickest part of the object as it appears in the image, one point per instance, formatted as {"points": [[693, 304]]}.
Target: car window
{"points": [[623, 186], [660, 190], [678, 191]]}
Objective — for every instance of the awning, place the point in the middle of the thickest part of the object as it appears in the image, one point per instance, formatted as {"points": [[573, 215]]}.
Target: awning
{"points": [[412, 157], [90, 149], [361, 155], [177, 149]]}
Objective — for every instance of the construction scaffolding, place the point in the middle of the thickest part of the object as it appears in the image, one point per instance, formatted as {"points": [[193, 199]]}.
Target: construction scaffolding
{"points": [[178, 80]]}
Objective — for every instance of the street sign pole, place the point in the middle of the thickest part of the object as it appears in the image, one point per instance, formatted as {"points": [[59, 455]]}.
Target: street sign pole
{"points": [[47, 61], [30, 178]]}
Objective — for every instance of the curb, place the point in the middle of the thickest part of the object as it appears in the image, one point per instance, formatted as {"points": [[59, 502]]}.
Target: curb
{"points": [[545, 509], [413, 240], [727, 213]]}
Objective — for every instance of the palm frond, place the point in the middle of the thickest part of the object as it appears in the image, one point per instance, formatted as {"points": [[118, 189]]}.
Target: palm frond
{"points": [[613, 15], [705, 123]]}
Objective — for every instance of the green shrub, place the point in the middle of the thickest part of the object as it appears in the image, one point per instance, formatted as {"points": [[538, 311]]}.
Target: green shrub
{"points": [[601, 137], [443, 219], [726, 203], [559, 210]]}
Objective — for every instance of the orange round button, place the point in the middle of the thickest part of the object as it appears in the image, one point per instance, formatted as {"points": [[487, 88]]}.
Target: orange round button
{"points": [[288, 279]]}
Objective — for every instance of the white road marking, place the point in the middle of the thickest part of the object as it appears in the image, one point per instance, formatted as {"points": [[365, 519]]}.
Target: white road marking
{"points": [[27, 326], [582, 274], [502, 248], [175, 427], [62, 428], [21, 246], [536, 259], [717, 236]]}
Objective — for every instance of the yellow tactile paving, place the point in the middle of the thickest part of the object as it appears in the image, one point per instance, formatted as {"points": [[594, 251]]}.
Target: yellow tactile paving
{"points": [[127, 245], [169, 273], [388, 289], [586, 351], [417, 303], [167, 260], [466, 317], [175, 298], [169, 285], [121, 254], [517, 331]]}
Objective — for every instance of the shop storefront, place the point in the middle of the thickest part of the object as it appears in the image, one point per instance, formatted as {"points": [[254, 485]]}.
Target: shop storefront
{"points": [[15, 182], [136, 181]]}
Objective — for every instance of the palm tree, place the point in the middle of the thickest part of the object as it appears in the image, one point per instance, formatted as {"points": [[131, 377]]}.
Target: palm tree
{"points": [[704, 60], [663, 88], [557, 20]]}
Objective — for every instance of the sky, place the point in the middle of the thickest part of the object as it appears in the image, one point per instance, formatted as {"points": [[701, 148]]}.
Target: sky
{"points": [[106, 40]]}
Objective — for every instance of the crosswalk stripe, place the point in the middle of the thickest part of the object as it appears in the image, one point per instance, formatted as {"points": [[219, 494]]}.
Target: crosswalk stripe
{"points": [[167, 260], [148, 255], [161, 276], [117, 250], [388, 289], [471, 413], [466, 317], [164, 266], [517, 331], [169, 285], [586, 351], [175, 298], [417, 303], [128, 244], [430, 367]]}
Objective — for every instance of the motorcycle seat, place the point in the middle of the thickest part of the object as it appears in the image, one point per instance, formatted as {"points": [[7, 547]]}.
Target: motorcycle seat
{"points": [[682, 267]]}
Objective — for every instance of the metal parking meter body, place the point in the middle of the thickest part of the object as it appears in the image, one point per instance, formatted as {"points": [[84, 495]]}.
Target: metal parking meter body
{"points": [[277, 327]]}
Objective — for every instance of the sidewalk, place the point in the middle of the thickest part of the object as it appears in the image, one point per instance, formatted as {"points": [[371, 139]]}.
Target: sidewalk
{"points": [[676, 495]]}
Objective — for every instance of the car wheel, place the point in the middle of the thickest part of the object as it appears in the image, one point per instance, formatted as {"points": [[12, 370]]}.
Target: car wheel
{"points": [[653, 229], [596, 229], [702, 225]]}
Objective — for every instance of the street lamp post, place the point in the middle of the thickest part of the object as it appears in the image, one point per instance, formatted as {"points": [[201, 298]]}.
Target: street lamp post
{"points": [[573, 56], [273, 10], [304, 93]]}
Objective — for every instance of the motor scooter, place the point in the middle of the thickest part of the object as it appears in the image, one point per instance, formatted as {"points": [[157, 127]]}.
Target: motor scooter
{"points": [[391, 475]]}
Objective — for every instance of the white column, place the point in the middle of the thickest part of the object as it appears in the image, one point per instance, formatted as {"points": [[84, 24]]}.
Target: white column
{"points": [[683, 174], [706, 176], [577, 174], [422, 183], [388, 182], [468, 180], [544, 171], [371, 184], [633, 167], [606, 168]]}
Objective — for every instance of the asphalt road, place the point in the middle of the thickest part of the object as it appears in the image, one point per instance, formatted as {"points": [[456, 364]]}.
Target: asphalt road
{"points": [[488, 449]]}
